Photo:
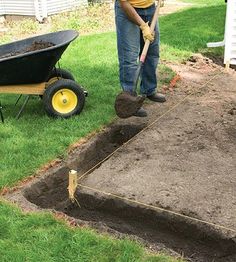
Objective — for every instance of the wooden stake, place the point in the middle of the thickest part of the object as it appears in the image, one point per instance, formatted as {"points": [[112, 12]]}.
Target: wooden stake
{"points": [[72, 185]]}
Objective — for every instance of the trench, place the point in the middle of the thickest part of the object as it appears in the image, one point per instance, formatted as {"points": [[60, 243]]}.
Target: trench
{"points": [[193, 240]]}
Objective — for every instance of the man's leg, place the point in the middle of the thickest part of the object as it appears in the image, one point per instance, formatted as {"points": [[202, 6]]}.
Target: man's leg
{"points": [[149, 78], [128, 35]]}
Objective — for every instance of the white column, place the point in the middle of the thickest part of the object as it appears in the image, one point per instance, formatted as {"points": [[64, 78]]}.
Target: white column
{"points": [[44, 8], [37, 11], [230, 33]]}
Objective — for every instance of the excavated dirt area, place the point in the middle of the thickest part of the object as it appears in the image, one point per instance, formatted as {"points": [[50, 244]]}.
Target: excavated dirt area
{"points": [[172, 186]]}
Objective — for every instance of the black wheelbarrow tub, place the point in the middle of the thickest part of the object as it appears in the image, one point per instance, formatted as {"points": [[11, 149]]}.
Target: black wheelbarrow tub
{"points": [[34, 66]]}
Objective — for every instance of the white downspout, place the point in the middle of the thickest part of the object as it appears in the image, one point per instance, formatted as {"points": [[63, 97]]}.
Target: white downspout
{"points": [[38, 16], [44, 8]]}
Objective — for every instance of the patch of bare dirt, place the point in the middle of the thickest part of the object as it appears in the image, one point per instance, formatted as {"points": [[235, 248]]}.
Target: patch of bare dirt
{"points": [[172, 6]]}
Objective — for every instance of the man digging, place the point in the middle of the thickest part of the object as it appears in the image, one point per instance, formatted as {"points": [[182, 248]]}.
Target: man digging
{"points": [[132, 19]]}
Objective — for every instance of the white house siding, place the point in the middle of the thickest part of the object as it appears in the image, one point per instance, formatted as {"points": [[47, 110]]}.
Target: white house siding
{"points": [[1, 8], [17, 7], [38, 8], [56, 6]]}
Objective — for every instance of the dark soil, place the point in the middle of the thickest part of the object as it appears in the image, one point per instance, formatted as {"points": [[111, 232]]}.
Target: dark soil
{"points": [[126, 104], [36, 45], [181, 159]]}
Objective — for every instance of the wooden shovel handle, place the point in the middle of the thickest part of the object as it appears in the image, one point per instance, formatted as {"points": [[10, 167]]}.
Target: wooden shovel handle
{"points": [[152, 27]]}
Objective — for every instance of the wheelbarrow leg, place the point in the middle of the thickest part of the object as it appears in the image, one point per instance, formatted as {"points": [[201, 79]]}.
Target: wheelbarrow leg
{"points": [[18, 99], [23, 106], [1, 113]]}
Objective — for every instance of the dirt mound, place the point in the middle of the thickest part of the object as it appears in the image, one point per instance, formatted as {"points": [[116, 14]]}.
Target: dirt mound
{"points": [[36, 45]]}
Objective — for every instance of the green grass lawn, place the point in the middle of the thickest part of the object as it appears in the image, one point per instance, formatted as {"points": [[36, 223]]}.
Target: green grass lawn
{"points": [[204, 2], [188, 31], [34, 139], [27, 144], [39, 237]]}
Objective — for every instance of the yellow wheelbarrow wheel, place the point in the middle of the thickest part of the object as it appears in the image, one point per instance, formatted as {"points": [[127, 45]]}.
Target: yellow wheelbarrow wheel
{"points": [[64, 101], [63, 98]]}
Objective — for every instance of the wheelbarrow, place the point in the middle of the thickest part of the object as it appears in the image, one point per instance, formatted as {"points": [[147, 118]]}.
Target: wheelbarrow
{"points": [[28, 67]]}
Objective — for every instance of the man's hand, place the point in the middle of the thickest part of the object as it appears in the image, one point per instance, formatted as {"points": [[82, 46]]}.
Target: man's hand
{"points": [[135, 18], [147, 34]]}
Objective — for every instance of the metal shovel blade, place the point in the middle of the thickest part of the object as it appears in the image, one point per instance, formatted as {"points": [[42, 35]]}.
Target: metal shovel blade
{"points": [[126, 105]]}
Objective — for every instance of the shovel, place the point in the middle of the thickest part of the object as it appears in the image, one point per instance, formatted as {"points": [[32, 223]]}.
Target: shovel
{"points": [[127, 104]]}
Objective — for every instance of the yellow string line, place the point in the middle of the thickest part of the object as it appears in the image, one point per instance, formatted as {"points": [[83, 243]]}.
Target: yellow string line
{"points": [[150, 125], [158, 208], [144, 204], [77, 202]]}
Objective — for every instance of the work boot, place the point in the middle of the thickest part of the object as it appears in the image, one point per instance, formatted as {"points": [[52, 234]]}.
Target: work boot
{"points": [[141, 112], [157, 97]]}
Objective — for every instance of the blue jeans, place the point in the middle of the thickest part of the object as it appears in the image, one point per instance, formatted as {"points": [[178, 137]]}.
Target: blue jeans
{"points": [[130, 44]]}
